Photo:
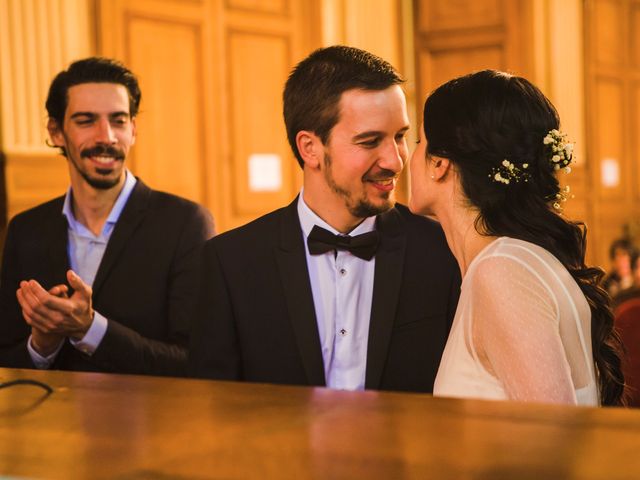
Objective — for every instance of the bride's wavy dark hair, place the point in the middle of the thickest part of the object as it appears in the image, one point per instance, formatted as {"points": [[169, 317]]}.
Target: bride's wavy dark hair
{"points": [[479, 120]]}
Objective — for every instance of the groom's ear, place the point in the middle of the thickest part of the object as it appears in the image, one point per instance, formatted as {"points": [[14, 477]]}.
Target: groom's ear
{"points": [[311, 149]]}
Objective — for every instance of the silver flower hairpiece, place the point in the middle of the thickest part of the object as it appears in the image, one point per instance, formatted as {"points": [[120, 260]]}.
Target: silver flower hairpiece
{"points": [[560, 151], [562, 196], [508, 172], [560, 155]]}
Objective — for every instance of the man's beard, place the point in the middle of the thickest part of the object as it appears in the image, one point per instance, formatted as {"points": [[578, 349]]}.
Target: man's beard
{"points": [[361, 207], [99, 183]]}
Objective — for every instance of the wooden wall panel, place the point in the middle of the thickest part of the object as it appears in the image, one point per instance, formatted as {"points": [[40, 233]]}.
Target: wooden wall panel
{"points": [[634, 146], [170, 150], [211, 73], [440, 66], [460, 14], [38, 38], [608, 47], [613, 127], [265, 6], [34, 178], [373, 25], [608, 139], [256, 117], [164, 42], [261, 42], [455, 38], [634, 30]]}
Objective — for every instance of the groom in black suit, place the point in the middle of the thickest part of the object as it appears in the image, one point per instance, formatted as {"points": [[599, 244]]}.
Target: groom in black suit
{"points": [[343, 287], [102, 278]]}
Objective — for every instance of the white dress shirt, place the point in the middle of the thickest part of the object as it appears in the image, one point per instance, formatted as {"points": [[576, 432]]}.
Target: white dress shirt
{"points": [[342, 288]]}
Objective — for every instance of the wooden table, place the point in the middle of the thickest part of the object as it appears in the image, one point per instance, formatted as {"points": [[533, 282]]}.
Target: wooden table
{"points": [[129, 427]]}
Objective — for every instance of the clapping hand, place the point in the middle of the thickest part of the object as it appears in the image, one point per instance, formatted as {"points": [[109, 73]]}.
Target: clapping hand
{"points": [[54, 315]]}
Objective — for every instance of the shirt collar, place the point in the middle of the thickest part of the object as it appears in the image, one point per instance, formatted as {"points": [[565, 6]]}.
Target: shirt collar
{"points": [[308, 219], [116, 210]]}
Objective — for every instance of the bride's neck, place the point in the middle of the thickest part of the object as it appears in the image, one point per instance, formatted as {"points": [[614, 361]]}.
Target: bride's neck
{"points": [[462, 237]]}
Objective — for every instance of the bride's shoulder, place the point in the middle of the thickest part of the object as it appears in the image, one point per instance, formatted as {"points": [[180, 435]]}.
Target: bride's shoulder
{"points": [[511, 259], [507, 256], [518, 250]]}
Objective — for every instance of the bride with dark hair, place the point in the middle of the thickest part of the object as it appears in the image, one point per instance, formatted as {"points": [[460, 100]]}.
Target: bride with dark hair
{"points": [[532, 323]]}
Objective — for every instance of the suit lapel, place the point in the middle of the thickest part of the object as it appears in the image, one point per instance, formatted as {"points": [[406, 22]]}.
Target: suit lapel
{"points": [[292, 265], [130, 218], [386, 288], [58, 241]]}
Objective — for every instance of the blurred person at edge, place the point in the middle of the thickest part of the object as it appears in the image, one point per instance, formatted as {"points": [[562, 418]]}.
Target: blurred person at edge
{"points": [[620, 277]]}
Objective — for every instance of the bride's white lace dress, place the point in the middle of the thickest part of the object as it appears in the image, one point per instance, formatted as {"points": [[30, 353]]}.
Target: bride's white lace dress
{"points": [[522, 330]]}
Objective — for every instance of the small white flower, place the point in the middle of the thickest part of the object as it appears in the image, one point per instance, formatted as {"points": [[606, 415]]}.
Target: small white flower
{"points": [[567, 169], [556, 205], [568, 148], [525, 165], [547, 140], [556, 167], [555, 158], [567, 189], [505, 163]]}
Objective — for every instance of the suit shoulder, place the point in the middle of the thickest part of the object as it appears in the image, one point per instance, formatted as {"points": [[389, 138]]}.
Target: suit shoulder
{"points": [[419, 222], [35, 215], [263, 229], [175, 202], [176, 207], [425, 237]]}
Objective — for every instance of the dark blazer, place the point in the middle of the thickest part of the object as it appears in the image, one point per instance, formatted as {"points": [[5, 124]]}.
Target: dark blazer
{"points": [[256, 319], [145, 285]]}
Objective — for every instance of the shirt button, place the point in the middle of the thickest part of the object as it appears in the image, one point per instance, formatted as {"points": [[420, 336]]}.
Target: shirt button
{"points": [[343, 272], [343, 332]]}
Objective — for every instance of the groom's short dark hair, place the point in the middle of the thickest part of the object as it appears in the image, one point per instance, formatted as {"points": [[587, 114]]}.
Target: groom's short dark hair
{"points": [[314, 88]]}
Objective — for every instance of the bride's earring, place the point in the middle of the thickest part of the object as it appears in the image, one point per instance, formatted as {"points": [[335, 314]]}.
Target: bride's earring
{"points": [[433, 175]]}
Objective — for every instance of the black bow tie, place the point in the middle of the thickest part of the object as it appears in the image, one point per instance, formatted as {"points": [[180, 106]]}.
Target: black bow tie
{"points": [[362, 246]]}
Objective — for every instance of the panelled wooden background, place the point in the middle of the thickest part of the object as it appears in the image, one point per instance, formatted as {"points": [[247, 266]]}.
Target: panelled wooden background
{"points": [[212, 73], [612, 33], [457, 37], [36, 38], [537, 39]]}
